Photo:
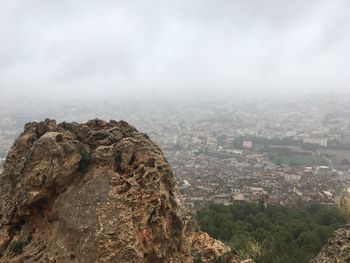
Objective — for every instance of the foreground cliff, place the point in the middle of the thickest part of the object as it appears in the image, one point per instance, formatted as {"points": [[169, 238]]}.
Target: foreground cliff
{"points": [[95, 192], [337, 250]]}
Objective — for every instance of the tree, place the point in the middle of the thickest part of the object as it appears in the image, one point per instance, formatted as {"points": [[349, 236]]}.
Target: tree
{"points": [[275, 234]]}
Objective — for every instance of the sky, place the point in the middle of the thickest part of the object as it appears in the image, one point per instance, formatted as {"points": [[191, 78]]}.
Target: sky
{"points": [[78, 48]]}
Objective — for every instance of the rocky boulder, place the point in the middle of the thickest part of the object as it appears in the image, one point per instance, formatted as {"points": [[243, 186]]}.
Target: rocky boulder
{"points": [[337, 250], [95, 192]]}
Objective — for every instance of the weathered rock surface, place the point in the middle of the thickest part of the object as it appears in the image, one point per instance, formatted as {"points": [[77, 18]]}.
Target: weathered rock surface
{"points": [[95, 192], [337, 250]]}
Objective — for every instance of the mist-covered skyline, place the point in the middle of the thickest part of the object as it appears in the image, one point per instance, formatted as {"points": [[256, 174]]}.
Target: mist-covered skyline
{"points": [[73, 48]]}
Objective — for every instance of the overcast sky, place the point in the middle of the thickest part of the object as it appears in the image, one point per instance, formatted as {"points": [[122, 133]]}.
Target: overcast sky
{"points": [[105, 47]]}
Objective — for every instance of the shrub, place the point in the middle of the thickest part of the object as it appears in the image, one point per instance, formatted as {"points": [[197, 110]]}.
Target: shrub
{"points": [[220, 259], [197, 259], [17, 247], [85, 161], [15, 230], [343, 202]]}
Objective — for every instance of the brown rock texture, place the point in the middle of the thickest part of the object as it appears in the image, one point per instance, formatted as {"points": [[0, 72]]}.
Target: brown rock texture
{"points": [[337, 250], [95, 192]]}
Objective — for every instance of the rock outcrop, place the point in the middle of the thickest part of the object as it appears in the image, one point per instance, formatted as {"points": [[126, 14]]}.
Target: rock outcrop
{"points": [[337, 250], [95, 192]]}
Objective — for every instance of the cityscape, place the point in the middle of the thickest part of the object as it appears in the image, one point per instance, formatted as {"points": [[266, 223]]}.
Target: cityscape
{"points": [[285, 150], [175, 131]]}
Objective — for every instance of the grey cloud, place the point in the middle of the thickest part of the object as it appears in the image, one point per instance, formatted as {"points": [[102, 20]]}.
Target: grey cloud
{"points": [[127, 47]]}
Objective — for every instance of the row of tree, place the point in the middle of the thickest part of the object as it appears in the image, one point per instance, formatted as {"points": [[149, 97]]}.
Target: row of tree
{"points": [[287, 141]]}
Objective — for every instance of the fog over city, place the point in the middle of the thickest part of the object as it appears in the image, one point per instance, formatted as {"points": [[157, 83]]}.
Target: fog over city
{"points": [[102, 48], [150, 130]]}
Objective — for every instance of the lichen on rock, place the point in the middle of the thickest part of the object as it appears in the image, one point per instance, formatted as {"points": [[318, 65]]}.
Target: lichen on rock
{"points": [[95, 192]]}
